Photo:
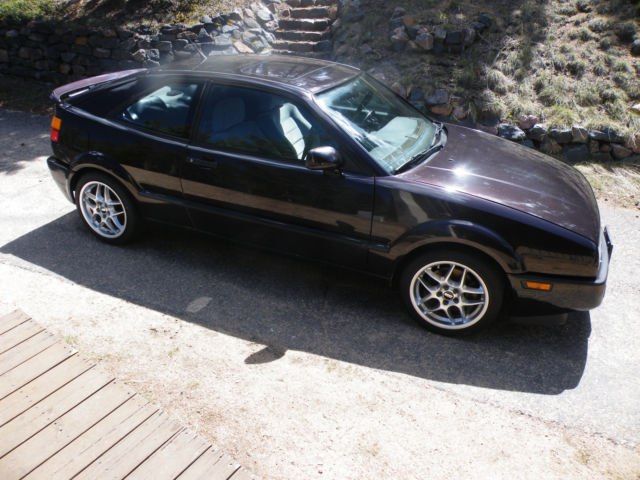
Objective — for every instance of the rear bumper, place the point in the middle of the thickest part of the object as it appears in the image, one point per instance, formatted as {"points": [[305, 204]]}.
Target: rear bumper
{"points": [[566, 293], [61, 173]]}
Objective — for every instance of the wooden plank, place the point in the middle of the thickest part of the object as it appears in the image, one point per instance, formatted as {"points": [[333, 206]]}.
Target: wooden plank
{"points": [[21, 400], [18, 334], [172, 458], [63, 431], [33, 368], [76, 456], [131, 451], [212, 465], [27, 349], [11, 320], [241, 474], [50, 409]]}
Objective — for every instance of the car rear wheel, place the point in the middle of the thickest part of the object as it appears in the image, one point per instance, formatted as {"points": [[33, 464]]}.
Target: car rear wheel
{"points": [[106, 208], [452, 292]]}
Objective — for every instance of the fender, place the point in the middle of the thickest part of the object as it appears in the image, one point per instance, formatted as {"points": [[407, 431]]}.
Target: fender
{"points": [[99, 161], [447, 231]]}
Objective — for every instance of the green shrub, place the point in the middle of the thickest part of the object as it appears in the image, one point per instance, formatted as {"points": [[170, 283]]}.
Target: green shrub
{"points": [[587, 94], [22, 10], [577, 67], [497, 81], [626, 31], [599, 25], [556, 91]]}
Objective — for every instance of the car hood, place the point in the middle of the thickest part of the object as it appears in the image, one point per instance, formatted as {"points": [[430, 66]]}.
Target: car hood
{"points": [[505, 172]]}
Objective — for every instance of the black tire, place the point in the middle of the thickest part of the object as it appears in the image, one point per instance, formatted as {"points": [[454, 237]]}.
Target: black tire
{"points": [[452, 305], [106, 208]]}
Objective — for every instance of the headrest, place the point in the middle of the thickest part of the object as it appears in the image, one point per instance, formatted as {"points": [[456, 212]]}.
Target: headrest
{"points": [[227, 113]]}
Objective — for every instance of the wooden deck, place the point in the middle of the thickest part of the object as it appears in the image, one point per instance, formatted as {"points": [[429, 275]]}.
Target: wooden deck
{"points": [[61, 417]]}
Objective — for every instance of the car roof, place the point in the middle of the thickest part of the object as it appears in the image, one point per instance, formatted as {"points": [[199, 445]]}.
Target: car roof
{"points": [[309, 74]]}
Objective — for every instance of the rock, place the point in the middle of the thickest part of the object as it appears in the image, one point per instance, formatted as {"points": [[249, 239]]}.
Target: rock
{"points": [[511, 132], [594, 146], [67, 57], [398, 12], [635, 48], [396, 23], [399, 39], [399, 89], [425, 41], [333, 12], [64, 68], [101, 52], [632, 142], [206, 19], [605, 147], [140, 55], [454, 37], [469, 36], [164, 46], [525, 122], [366, 48], [271, 26], [4, 56], [550, 146], [222, 42], [579, 135], [485, 20], [619, 152], [576, 154], [12, 34], [408, 21], [439, 97], [445, 109], [203, 37], [323, 46], [416, 94], [413, 31], [606, 134], [538, 132], [153, 54], [251, 23], [491, 129], [636, 108], [561, 135], [440, 35], [602, 157], [242, 48], [527, 143], [459, 113], [81, 40], [180, 44]]}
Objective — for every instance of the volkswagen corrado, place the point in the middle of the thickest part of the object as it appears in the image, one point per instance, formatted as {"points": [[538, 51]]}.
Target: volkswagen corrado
{"points": [[321, 160]]}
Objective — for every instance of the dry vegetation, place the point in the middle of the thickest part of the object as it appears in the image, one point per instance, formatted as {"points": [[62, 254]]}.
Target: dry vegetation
{"points": [[568, 61]]}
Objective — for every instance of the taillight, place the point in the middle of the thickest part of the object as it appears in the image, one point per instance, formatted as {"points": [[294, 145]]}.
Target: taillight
{"points": [[56, 124]]}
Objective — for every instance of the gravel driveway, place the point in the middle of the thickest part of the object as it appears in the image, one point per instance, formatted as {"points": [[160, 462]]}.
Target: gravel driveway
{"points": [[301, 371]]}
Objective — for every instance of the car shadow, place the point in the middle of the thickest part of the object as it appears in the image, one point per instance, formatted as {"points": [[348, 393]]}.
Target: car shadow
{"points": [[291, 304]]}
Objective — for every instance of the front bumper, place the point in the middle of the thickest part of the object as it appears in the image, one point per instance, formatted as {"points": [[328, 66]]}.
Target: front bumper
{"points": [[61, 173], [566, 293]]}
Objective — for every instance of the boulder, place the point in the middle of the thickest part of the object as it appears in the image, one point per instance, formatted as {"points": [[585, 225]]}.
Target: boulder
{"points": [[454, 37], [550, 146], [511, 132], [399, 39], [398, 12], [424, 41], [439, 97], [576, 154], [635, 48], [632, 142], [527, 143], [444, 110], [416, 94], [140, 55], [469, 36], [594, 146], [601, 157], [525, 122], [619, 152], [579, 135], [538, 132], [561, 135], [606, 134], [408, 21], [459, 113], [485, 20]]}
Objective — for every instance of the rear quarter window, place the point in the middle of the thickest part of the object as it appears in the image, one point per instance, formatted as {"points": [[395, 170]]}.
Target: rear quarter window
{"points": [[100, 103]]}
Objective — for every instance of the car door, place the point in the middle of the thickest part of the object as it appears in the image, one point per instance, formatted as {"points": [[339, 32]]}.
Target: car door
{"points": [[246, 178], [150, 143]]}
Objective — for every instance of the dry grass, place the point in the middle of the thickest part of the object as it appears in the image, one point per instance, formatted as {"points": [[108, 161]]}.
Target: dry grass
{"points": [[616, 183]]}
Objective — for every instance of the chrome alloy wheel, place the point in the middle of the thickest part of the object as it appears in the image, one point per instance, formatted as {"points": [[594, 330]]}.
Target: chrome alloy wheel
{"points": [[449, 295], [103, 210]]}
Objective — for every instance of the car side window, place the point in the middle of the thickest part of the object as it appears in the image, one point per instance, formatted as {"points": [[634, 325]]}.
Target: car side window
{"points": [[165, 110], [258, 123]]}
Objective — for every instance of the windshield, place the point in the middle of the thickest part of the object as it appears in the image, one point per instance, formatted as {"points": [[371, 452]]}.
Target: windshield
{"points": [[390, 130]]}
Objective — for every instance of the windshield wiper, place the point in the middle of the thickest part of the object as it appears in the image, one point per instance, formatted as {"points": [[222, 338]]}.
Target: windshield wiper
{"points": [[436, 145]]}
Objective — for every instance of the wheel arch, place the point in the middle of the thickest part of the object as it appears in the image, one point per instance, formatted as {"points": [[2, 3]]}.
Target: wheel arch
{"points": [[97, 162]]}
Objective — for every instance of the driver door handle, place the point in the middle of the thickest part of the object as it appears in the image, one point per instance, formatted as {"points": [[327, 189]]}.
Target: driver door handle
{"points": [[209, 163]]}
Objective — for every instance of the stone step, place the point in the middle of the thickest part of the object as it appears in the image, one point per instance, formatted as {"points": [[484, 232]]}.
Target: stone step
{"points": [[308, 3], [308, 25], [302, 47], [310, 12], [300, 35]]}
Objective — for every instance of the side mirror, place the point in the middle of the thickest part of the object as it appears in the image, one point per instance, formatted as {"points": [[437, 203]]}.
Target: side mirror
{"points": [[323, 158]]}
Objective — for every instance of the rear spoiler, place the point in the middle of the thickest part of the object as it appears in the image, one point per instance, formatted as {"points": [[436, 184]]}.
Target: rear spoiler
{"points": [[81, 86]]}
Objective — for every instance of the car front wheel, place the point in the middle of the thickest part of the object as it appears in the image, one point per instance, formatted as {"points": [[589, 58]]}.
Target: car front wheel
{"points": [[106, 208], [452, 292]]}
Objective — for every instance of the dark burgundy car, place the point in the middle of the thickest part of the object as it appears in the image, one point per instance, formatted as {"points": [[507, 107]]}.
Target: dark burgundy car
{"points": [[319, 159]]}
